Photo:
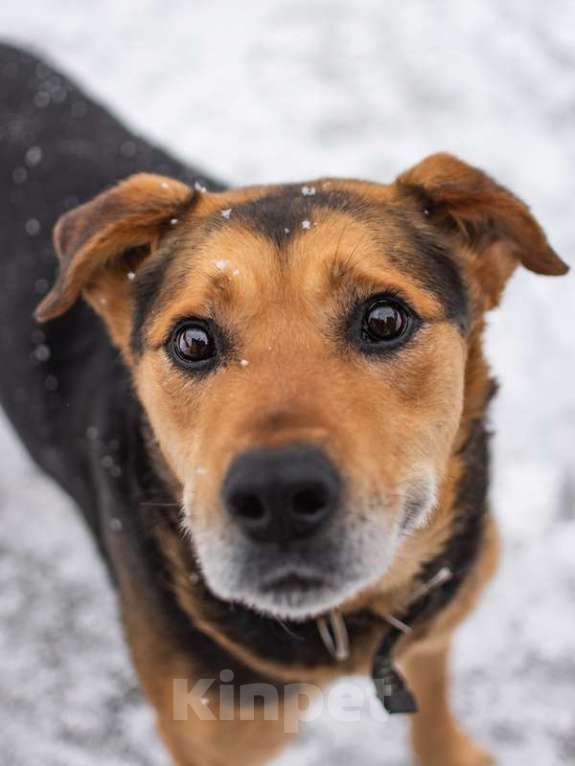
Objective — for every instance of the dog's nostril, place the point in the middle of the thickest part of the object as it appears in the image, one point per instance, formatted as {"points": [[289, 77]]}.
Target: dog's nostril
{"points": [[248, 507], [310, 501]]}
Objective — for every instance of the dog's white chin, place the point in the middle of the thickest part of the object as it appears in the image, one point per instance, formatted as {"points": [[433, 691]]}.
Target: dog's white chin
{"points": [[295, 605], [300, 602]]}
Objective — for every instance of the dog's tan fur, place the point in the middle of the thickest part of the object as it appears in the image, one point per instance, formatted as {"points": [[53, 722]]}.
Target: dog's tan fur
{"points": [[297, 387]]}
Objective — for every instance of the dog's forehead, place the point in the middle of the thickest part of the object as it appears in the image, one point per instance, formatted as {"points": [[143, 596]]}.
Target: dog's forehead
{"points": [[296, 228], [328, 217], [247, 246], [280, 213], [316, 222]]}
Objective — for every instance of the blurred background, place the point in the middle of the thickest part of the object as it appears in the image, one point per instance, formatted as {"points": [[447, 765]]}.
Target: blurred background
{"points": [[276, 90]]}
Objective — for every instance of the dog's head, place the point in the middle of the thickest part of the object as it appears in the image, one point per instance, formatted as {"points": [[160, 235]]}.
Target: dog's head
{"points": [[302, 356]]}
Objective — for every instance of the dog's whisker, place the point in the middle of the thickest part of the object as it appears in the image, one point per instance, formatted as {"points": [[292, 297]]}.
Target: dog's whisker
{"points": [[290, 632], [160, 505]]}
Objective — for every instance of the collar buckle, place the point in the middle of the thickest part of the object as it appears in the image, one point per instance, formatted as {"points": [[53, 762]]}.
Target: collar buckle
{"points": [[333, 632]]}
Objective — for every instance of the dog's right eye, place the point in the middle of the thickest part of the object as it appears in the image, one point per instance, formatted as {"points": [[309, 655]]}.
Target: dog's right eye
{"points": [[193, 345]]}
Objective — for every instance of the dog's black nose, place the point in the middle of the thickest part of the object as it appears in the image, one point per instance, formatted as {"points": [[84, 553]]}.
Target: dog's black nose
{"points": [[281, 495]]}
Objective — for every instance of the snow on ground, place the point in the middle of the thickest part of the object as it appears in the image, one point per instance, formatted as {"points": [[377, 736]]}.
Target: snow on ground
{"points": [[291, 89]]}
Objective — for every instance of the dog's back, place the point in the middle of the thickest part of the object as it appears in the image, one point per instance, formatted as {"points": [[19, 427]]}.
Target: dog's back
{"points": [[57, 149]]}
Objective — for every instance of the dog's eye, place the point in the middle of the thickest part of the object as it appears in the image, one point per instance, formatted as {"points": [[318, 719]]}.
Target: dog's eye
{"points": [[193, 345], [385, 323]]}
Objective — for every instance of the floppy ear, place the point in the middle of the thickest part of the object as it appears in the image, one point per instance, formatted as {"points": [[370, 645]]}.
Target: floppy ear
{"points": [[496, 227], [101, 244]]}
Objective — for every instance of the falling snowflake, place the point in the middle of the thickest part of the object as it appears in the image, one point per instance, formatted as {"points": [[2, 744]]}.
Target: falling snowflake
{"points": [[34, 156], [32, 227], [51, 383], [116, 525], [19, 175], [42, 353], [42, 99]]}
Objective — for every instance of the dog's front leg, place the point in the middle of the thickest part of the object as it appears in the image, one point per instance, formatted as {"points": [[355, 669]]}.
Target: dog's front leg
{"points": [[209, 727], [436, 737], [213, 717], [207, 740]]}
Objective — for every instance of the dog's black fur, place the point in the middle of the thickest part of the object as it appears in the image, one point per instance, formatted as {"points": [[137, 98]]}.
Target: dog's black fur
{"points": [[57, 380]]}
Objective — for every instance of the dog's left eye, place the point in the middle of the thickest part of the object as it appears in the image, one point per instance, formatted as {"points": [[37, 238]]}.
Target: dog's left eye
{"points": [[384, 323], [193, 345]]}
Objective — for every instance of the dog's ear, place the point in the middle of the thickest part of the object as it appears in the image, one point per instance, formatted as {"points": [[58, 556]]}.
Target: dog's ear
{"points": [[496, 228], [101, 244]]}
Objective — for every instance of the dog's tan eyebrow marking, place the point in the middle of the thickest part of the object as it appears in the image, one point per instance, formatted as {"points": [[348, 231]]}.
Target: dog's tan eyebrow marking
{"points": [[150, 283], [429, 262], [426, 262], [353, 284]]}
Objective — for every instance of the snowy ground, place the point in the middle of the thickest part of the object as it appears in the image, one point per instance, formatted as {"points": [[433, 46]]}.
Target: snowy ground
{"points": [[289, 89]]}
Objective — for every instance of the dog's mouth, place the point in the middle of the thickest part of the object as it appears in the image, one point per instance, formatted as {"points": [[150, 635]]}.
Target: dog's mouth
{"points": [[293, 583], [295, 587], [293, 595]]}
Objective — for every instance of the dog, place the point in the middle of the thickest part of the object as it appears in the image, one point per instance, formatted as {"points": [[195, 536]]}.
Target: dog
{"points": [[268, 403]]}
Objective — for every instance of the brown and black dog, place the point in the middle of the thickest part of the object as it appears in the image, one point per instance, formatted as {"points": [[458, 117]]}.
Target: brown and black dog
{"points": [[292, 450]]}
